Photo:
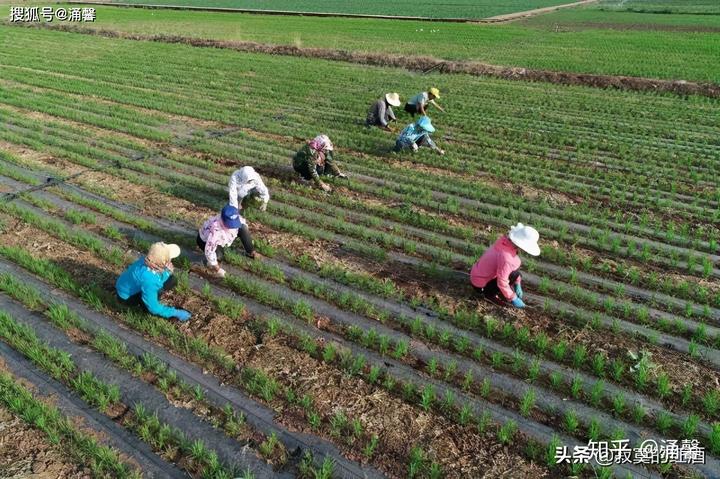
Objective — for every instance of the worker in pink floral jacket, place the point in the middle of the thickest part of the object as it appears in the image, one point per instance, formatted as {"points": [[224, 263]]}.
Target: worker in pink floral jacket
{"points": [[497, 273], [219, 232]]}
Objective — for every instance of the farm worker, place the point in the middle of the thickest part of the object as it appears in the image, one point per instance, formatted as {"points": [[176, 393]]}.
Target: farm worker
{"points": [[416, 135], [315, 158], [144, 280], [246, 183], [419, 103], [381, 113], [497, 273], [219, 232]]}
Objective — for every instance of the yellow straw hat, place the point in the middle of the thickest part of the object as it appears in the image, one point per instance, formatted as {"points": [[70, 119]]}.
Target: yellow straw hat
{"points": [[435, 92]]}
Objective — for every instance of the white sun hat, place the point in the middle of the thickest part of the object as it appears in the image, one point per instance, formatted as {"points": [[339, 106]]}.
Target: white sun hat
{"points": [[526, 238], [393, 99]]}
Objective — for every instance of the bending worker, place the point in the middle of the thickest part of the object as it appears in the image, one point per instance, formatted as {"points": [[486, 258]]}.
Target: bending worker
{"points": [[381, 113], [497, 273], [219, 232], [416, 135], [419, 103], [315, 158], [246, 183], [148, 277]]}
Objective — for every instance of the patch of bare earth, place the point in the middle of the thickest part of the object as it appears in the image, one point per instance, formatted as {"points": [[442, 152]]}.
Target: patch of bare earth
{"points": [[461, 451]]}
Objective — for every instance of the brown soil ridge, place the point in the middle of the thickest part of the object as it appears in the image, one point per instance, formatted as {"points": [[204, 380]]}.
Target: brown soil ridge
{"points": [[424, 64], [496, 19]]}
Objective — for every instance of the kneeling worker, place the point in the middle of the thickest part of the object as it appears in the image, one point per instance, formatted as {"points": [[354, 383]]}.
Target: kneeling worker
{"points": [[496, 274], [381, 112], [144, 280], [219, 232]]}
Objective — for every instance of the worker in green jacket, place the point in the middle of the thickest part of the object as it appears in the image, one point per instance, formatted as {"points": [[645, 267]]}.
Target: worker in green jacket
{"points": [[315, 158]]}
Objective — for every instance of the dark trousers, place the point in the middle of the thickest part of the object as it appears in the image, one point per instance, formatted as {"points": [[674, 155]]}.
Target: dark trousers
{"points": [[491, 290], [412, 109], [136, 299], [306, 173], [243, 233]]}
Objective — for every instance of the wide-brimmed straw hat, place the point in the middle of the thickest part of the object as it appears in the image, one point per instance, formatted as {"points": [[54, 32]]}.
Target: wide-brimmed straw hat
{"points": [[393, 99], [161, 253], [526, 238], [435, 92]]}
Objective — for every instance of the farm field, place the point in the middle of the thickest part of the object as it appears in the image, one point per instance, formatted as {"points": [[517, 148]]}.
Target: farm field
{"points": [[704, 7], [585, 40], [354, 346], [427, 8]]}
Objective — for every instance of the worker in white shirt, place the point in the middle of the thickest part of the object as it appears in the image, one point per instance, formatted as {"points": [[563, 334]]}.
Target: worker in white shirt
{"points": [[244, 183]]}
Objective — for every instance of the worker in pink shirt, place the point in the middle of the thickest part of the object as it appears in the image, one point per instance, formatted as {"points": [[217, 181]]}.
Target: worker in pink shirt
{"points": [[219, 232], [497, 273]]}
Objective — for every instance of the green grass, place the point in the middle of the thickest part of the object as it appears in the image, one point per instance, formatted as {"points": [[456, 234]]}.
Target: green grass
{"points": [[587, 40], [711, 7], [426, 8]]}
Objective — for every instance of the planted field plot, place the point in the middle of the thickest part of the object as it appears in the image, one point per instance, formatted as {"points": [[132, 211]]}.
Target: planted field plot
{"points": [[671, 47], [430, 8], [703, 7], [354, 346]]}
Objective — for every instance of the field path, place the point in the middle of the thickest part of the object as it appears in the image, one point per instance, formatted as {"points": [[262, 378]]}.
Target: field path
{"points": [[532, 13]]}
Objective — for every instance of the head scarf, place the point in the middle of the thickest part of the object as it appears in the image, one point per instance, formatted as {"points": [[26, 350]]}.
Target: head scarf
{"points": [[320, 144]]}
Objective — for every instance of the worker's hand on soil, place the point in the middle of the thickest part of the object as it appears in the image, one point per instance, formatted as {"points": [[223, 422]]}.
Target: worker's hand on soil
{"points": [[182, 315], [342, 175], [518, 303], [441, 152], [263, 207], [518, 290], [326, 188]]}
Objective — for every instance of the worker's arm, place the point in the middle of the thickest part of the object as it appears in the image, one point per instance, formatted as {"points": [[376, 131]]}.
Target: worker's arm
{"points": [[502, 279], [150, 289], [233, 191], [330, 162], [437, 106], [264, 193], [381, 113], [391, 114], [421, 107], [210, 247]]}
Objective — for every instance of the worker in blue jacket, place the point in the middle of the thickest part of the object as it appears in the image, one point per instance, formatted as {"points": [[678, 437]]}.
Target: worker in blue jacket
{"points": [[416, 135], [144, 280]]}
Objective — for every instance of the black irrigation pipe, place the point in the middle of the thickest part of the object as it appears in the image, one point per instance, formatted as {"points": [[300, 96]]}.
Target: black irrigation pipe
{"points": [[471, 203], [396, 369], [398, 309], [548, 400], [135, 391], [712, 356], [679, 344], [429, 317], [74, 408], [257, 415]]}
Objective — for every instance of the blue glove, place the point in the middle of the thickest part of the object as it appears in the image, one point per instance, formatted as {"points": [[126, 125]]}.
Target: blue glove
{"points": [[182, 315], [518, 290], [517, 302]]}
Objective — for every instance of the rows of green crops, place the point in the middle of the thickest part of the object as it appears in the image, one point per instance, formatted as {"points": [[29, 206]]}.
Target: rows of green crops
{"points": [[702, 7], [551, 42], [429, 9], [620, 185]]}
